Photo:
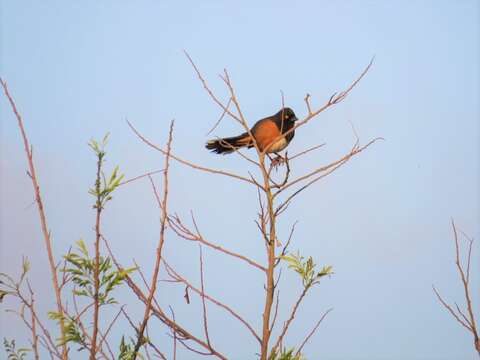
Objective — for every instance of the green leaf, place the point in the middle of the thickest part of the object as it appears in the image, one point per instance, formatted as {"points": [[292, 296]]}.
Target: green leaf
{"points": [[105, 139], [83, 248], [306, 268], [53, 315], [12, 352]]}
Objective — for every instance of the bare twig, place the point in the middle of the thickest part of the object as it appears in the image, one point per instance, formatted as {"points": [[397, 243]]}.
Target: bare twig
{"points": [[306, 151], [284, 250], [157, 351], [290, 319], [356, 149], [307, 101], [174, 336], [41, 212], [212, 95], [233, 98], [181, 230], [335, 99], [175, 275], [299, 351], [325, 170], [140, 177], [33, 321], [104, 336], [467, 322], [161, 241], [86, 344], [221, 117], [188, 163], [202, 295], [277, 302], [159, 313], [450, 309]]}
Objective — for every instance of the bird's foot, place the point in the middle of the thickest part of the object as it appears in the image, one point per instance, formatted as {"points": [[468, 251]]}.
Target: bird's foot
{"points": [[278, 161]]}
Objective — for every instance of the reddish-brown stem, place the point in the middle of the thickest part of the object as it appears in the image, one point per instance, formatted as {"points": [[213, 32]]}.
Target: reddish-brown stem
{"points": [[290, 319], [161, 241], [41, 212], [270, 244], [104, 336], [204, 305], [139, 177], [188, 163], [334, 100], [174, 336], [299, 351], [177, 277], [467, 322], [181, 230]]}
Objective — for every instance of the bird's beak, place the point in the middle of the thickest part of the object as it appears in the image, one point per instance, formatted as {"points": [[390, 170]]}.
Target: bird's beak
{"points": [[294, 119]]}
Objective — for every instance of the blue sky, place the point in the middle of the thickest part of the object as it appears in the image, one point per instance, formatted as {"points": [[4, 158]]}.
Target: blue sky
{"points": [[79, 69]]}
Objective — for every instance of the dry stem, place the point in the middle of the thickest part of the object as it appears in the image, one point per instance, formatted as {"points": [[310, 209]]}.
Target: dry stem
{"points": [[43, 219], [161, 241], [467, 322]]}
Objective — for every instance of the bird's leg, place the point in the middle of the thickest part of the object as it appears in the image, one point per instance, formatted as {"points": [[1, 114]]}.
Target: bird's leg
{"points": [[278, 160]]}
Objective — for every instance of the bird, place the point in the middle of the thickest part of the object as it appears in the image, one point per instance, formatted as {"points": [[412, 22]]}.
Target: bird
{"points": [[266, 132]]}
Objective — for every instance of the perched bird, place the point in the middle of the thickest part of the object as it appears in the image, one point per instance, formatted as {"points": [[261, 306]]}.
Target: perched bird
{"points": [[267, 133]]}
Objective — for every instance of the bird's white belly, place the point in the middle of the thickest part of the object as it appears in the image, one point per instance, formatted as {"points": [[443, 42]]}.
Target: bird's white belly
{"points": [[277, 146]]}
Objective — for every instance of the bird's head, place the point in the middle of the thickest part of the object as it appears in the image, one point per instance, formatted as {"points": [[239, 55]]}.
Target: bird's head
{"points": [[287, 114]]}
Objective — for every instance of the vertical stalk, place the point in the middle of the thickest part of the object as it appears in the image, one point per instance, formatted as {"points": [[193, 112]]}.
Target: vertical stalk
{"points": [[161, 241], [34, 326], [96, 308], [271, 262]]}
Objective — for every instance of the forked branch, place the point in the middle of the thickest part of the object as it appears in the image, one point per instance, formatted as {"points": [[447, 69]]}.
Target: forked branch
{"points": [[161, 241], [466, 320]]}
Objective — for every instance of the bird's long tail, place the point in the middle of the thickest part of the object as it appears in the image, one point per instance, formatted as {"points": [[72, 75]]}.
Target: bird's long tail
{"points": [[230, 144]]}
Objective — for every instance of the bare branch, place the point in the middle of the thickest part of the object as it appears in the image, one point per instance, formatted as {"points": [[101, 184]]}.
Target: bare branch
{"points": [[104, 336], [140, 177], [284, 250], [202, 295], [174, 336], [299, 351], [466, 286], [242, 120], [33, 322], [175, 275], [290, 319], [306, 151], [210, 92], [161, 241], [307, 101], [334, 99], [188, 163], [326, 170], [41, 212], [450, 310], [181, 230], [221, 117], [158, 312], [354, 151], [463, 315], [277, 302]]}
